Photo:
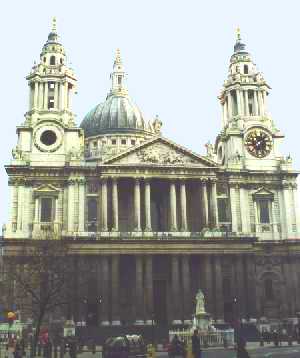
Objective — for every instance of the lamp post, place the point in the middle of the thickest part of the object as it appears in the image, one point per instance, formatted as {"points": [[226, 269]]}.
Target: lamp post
{"points": [[236, 319]]}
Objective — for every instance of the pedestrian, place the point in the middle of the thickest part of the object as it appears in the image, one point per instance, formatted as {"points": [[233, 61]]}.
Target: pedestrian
{"points": [[241, 348], [196, 346]]}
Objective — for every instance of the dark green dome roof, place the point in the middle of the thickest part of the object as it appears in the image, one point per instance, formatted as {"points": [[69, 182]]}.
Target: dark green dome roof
{"points": [[118, 114]]}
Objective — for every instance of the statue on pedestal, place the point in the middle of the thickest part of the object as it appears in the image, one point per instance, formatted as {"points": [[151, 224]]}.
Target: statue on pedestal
{"points": [[200, 303]]}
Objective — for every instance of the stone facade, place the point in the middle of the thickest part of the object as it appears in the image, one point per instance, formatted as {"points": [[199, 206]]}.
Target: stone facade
{"points": [[149, 221]]}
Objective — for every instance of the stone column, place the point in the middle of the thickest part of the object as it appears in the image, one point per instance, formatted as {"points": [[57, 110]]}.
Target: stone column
{"points": [[239, 102], [208, 282], [245, 215], [251, 295], [61, 96], [291, 299], [229, 105], [176, 291], [234, 219], [115, 304], [264, 95], [225, 113], [173, 208], [56, 104], [260, 103], [214, 206], [219, 288], [81, 203], [186, 281], [183, 206], [240, 282], [66, 96], [115, 205], [246, 101], [255, 103], [204, 204], [40, 95], [36, 92], [287, 207], [139, 290], [105, 279], [104, 204], [148, 226], [149, 289], [46, 96], [13, 205], [296, 207], [71, 199], [20, 206], [137, 205]]}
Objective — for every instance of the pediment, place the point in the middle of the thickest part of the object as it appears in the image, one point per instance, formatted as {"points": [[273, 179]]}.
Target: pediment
{"points": [[262, 193], [160, 151], [46, 189]]}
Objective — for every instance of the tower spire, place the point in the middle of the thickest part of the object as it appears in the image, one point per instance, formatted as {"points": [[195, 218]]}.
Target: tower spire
{"points": [[118, 76], [239, 46], [54, 29]]}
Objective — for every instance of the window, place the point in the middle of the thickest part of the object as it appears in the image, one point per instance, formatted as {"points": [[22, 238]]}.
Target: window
{"points": [[245, 69], [95, 144], [44, 59], [114, 141], [47, 210], [263, 211], [123, 141], [52, 60], [51, 102], [119, 80], [132, 141], [250, 108], [269, 291], [61, 61], [223, 210], [51, 85]]}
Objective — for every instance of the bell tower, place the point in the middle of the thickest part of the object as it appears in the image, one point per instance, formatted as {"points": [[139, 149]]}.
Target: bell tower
{"points": [[49, 133], [249, 138]]}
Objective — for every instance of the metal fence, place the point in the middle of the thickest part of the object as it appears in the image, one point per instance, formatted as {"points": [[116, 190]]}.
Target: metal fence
{"points": [[207, 339]]}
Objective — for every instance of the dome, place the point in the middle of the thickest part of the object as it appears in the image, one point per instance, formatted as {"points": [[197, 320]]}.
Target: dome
{"points": [[117, 114]]}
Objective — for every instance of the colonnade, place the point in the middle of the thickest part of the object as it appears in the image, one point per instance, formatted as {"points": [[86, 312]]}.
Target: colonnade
{"points": [[208, 212], [40, 92], [259, 103], [180, 294]]}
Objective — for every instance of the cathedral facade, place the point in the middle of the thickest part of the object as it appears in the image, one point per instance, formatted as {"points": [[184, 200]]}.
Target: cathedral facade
{"points": [[150, 222]]}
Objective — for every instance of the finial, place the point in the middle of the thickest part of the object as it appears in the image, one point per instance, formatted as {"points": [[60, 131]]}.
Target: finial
{"points": [[54, 24], [118, 57], [238, 33]]}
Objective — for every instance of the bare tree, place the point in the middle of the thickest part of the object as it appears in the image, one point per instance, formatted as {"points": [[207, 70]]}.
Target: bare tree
{"points": [[41, 272]]}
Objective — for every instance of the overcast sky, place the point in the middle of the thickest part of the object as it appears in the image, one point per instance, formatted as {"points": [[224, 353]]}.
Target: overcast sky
{"points": [[176, 54]]}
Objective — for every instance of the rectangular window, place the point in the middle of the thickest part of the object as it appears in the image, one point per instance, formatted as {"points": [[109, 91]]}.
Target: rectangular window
{"points": [[51, 102], [46, 210], [113, 141], [123, 141], [223, 210], [132, 142], [51, 85], [119, 80], [264, 213]]}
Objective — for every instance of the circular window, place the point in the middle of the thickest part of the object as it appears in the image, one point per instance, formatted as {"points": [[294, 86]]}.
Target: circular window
{"points": [[48, 137]]}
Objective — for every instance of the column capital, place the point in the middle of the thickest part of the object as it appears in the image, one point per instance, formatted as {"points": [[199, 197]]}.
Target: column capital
{"points": [[203, 180], [103, 180], [213, 180]]}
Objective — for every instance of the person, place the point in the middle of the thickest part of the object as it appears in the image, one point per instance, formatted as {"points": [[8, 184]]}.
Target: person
{"points": [[196, 347], [241, 348], [177, 348]]}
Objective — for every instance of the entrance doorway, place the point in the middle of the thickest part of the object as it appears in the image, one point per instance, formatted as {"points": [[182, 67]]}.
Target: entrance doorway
{"points": [[160, 302]]}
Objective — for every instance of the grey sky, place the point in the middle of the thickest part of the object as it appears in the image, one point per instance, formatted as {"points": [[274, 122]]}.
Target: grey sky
{"points": [[176, 54]]}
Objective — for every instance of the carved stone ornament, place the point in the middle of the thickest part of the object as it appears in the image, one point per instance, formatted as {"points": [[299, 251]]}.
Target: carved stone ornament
{"points": [[17, 153], [268, 260], [75, 154], [163, 155]]}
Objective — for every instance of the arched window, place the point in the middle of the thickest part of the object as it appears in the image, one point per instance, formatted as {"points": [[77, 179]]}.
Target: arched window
{"points": [[245, 69], [52, 60], [44, 59], [269, 292], [61, 61]]}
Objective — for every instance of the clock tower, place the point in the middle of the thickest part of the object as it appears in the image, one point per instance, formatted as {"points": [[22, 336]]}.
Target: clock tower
{"points": [[249, 138], [49, 136]]}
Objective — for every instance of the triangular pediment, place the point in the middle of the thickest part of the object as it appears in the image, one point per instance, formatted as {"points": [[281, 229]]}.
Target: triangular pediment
{"points": [[160, 151], [46, 189], [263, 193]]}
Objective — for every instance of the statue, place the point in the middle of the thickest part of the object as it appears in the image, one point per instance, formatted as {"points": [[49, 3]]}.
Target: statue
{"points": [[200, 303]]}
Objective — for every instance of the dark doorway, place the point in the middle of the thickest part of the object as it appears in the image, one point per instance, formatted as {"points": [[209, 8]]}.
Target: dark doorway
{"points": [[160, 302], [228, 312], [92, 314]]}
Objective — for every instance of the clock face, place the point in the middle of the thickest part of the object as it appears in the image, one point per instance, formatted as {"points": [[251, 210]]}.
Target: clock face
{"points": [[258, 143]]}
